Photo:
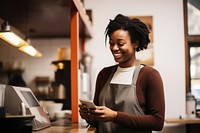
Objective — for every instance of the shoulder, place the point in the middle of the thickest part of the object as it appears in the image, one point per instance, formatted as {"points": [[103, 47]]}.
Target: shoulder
{"points": [[108, 69], [148, 69], [149, 75], [105, 73], [149, 72]]}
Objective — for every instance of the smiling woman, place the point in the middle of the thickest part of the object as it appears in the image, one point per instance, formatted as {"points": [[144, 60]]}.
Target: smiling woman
{"points": [[114, 96]]}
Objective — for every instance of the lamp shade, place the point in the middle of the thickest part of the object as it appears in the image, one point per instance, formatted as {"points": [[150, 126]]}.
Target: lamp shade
{"points": [[13, 39], [7, 35], [30, 50]]}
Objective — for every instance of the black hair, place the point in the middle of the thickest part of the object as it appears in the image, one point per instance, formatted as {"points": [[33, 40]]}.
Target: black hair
{"points": [[137, 29]]}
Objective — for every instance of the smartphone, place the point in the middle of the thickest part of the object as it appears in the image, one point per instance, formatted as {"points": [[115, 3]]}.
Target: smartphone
{"points": [[88, 103]]}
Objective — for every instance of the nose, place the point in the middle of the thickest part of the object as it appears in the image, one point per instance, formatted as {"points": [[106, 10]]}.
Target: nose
{"points": [[114, 47]]}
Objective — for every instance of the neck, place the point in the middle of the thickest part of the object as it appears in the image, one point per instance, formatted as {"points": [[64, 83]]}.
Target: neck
{"points": [[128, 64]]}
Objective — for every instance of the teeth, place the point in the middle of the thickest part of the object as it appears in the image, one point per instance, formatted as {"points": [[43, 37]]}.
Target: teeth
{"points": [[117, 54]]}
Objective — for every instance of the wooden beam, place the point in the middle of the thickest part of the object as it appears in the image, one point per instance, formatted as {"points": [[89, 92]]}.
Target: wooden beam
{"points": [[74, 38], [187, 74]]}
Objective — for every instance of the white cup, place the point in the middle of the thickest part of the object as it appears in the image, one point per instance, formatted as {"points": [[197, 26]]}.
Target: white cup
{"points": [[63, 114], [44, 103], [53, 108]]}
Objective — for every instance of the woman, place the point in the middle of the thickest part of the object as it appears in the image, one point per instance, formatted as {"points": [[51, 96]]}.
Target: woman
{"points": [[129, 96]]}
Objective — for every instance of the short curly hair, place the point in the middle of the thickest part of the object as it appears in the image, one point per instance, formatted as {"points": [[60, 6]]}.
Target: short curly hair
{"points": [[137, 29]]}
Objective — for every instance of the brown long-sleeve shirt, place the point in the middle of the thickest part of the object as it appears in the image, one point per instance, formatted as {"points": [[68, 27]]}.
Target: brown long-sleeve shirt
{"points": [[150, 94]]}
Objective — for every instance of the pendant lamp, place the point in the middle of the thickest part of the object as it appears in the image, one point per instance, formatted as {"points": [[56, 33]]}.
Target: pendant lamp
{"points": [[9, 36]]}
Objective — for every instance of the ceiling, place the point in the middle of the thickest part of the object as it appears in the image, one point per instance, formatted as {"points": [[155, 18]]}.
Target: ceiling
{"points": [[38, 18], [42, 18]]}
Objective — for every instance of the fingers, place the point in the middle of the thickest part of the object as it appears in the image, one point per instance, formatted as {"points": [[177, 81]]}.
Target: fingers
{"points": [[82, 106], [86, 113], [100, 110], [101, 113], [87, 116], [105, 114]]}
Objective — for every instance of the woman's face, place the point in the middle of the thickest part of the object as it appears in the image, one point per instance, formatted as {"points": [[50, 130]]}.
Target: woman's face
{"points": [[122, 49]]}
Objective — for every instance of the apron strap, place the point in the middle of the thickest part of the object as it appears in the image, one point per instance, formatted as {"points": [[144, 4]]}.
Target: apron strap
{"points": [[136, 73]]}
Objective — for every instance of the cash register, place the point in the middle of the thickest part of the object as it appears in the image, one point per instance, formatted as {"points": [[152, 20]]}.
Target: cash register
{"points": [[16, 97]]}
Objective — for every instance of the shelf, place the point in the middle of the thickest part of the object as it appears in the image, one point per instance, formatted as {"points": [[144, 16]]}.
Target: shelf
{"points": [[84, 18], [11, 71], [44, 18], [52, 19]]}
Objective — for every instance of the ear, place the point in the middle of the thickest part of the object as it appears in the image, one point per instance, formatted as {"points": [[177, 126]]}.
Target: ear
{"points": [[136, 44]]}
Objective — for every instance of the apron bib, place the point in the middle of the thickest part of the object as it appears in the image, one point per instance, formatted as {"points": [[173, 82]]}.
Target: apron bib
{"points": [[120, 98]]}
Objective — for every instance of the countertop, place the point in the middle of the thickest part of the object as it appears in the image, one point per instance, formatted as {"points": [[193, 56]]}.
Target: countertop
{"points": [[66, 129], [183, 120], [192, 124], [65, 126]]}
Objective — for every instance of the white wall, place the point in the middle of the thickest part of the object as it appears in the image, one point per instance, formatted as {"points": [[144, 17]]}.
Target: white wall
{"points": [[168, 44]]}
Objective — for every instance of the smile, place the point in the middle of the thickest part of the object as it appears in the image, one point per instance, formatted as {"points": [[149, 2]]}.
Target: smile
{"points": [[117, 55]]}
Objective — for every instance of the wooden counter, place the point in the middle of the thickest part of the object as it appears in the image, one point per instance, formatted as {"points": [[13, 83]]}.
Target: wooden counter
{"points": [[192, 124], [65, 126], [66, 129], [183, 121]]}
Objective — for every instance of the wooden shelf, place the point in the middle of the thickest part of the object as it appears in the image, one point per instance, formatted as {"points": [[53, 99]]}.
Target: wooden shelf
{"points": [[84, 18], [11, 70], [44, 18], [52, 19]]}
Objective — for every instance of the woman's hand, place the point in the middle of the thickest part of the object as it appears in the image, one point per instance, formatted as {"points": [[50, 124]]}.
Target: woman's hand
{"points": [[86, 113], [101, 113]]}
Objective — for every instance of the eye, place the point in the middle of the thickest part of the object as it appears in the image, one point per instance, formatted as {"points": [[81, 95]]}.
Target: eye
{"points": [[121, 43], [111, 43]]}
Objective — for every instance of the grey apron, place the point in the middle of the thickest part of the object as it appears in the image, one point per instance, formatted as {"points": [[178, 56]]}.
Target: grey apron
{"points": [[120, 98]]}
